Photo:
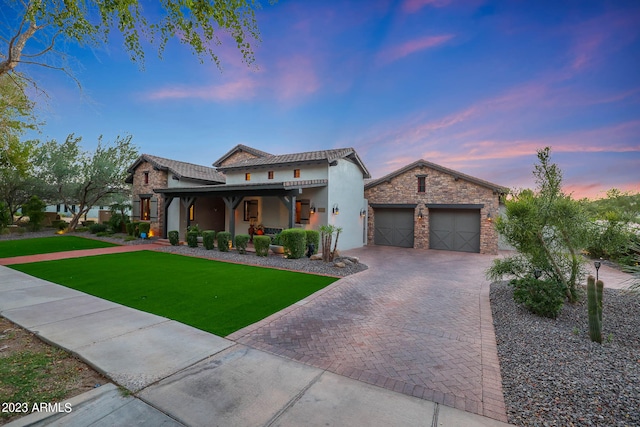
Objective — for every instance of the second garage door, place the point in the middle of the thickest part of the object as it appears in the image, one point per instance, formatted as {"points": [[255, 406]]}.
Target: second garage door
{"points": [[394, 227], [454, 229]]}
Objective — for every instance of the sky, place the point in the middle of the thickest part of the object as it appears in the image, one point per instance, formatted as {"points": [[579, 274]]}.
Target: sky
{"points": [[472, 85]]}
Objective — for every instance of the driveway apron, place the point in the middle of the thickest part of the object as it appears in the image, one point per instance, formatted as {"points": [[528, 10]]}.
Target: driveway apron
{"points": [[417, 322]]}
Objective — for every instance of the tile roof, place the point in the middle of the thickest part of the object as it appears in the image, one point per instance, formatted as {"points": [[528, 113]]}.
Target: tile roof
{"points": [[495, 187], [305, 157], [182, 169]]}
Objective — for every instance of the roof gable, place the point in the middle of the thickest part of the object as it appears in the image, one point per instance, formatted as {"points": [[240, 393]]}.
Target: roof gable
{"points": [[240, 148], [180, 169], [458, 175], [322, 156]]}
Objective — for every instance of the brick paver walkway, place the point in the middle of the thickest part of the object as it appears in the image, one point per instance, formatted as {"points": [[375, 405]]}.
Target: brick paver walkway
{"points": [[417, 322]]}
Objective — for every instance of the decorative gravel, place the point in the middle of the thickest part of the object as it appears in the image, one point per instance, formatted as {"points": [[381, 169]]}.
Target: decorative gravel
{"points": [[277, 261], [554, 375]]}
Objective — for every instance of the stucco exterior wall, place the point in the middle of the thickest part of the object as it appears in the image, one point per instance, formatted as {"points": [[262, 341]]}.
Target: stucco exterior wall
{"points": [[441, 188], [280, 174], [346, 190]]}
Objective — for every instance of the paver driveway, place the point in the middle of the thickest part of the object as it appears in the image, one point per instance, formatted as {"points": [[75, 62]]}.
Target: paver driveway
{"points": [[417, 322]]}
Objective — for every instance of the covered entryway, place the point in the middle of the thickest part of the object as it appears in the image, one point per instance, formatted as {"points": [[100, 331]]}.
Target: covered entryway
{"points": [[454, 229], [394, 226]]}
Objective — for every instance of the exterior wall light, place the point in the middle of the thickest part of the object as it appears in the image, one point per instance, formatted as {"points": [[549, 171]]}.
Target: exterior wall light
{"points": [[312, 209], [363, 212], [420, 215], [489, 217], [335, 209]]}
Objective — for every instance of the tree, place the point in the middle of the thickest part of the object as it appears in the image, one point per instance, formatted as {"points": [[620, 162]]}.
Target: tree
{"points": [[75, 177], [548, 229], [16, 117], [36, 28]]}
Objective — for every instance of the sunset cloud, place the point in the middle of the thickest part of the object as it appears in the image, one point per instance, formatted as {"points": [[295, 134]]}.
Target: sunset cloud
{"points": [[241, 89], [412, 6], [400, 51]]}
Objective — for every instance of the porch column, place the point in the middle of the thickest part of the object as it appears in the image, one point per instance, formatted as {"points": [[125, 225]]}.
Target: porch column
{"points": [[232, 203], [167, 201], [187, 202], [290, 203]]}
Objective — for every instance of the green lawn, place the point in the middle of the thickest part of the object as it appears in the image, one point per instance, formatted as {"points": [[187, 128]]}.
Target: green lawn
{"points": [[214, 296], [47, 245]]}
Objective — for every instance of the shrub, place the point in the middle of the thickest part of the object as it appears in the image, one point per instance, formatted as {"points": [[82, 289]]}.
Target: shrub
{"points": [[81, 229], [5, 216], [224, 237], [194, 228], [97, 228], [294, 241], [129, 238], [277, 239], [132, 229], [542, 297], [34, 209], [144, 227], [313, 236], [174, 237], [208, 239], [241, 242], [59, 224], [192, 239], [261, 244], [103, 233], [118, 222]]}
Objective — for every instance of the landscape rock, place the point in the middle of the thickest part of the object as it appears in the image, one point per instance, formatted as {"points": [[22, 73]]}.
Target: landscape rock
{"points": [[316, 257], [339, 264]]}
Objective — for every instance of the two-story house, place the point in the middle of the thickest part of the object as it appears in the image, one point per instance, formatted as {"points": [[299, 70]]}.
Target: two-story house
{"points": [[249, 186]]}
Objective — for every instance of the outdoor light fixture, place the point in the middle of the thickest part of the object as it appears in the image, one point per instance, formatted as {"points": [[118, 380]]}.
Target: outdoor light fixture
{"points": [[537, 273], [420, 215], [597, 265], [363, 212], [312, 209], [335, 209], [489, 218]]}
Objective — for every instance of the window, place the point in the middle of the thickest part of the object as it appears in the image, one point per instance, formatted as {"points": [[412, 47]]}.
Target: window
{"points": [[146, 177], [247, 176], [296, 173], [192, 212], [422, 184], [250, 210], [145, 208], [270, 175]]}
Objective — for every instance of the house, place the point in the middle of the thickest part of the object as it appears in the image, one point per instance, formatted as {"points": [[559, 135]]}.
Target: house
{"points": [[249, 186], [424, 205], [421, 205]]}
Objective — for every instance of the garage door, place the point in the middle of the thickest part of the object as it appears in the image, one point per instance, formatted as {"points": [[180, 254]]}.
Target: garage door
{"points": [[454, 229], [394, 227]]}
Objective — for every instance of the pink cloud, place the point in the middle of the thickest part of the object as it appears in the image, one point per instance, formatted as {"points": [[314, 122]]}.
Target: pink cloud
{"points": [[296, 78], [243, 88], [412, 6], [394, 53]]}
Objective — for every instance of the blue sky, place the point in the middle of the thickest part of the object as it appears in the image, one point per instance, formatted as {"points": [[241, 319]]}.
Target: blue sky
{"points": [[472, 85]]}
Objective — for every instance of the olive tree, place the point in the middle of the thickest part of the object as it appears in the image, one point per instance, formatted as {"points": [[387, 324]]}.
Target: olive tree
{"points": [[548, 229], [76, 177]]}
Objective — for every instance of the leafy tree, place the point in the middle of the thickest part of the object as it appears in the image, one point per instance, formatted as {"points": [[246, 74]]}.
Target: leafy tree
{"points": [[625, 206], [5, 217], [548, 229], [36, 28], [34, 209], [16, 117], [75, 177]]}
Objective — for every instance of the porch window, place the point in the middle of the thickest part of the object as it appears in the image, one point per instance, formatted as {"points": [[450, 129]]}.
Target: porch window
{"points": [[422, 184], [296, 173], [247, 176], [192, 212], [145, 208], [270, 175]]}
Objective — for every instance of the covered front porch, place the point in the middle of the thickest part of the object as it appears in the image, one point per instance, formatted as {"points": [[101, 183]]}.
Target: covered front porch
{"points": [[235, 207]]}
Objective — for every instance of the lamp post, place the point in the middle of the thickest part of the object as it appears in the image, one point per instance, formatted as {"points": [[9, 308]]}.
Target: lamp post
{"points": [[597, 264], [537, 273]]}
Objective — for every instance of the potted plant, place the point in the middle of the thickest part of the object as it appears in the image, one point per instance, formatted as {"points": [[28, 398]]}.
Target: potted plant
{"points": [[259, 229], [276, 245]]}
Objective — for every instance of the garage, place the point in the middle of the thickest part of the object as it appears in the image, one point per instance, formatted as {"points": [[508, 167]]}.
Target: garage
{"points": [[454, 229], [394, 227]]}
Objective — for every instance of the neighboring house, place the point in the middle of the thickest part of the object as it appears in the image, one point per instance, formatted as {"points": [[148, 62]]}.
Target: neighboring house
{"points": [[424, 205]]}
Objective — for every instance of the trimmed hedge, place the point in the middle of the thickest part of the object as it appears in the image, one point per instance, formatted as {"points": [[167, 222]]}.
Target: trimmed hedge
{"points": [[144, 227], [132, 229], [174, 237], [97, 228], [208, 238], [294, 241], [313, 236], [224, 237], [261, 244], [241, 242], [192, 239]]}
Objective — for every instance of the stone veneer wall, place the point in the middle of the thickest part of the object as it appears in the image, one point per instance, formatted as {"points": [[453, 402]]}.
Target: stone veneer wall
{"points": [[238, 157], [440, 188], [157, 179]]}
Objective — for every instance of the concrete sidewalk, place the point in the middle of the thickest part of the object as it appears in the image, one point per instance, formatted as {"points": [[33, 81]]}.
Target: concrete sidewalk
{"points": [[77, 254], [183, 376]]}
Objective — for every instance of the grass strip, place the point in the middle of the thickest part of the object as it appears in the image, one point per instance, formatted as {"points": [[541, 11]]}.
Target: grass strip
{"points": [[214, 296], [47, 245]]}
